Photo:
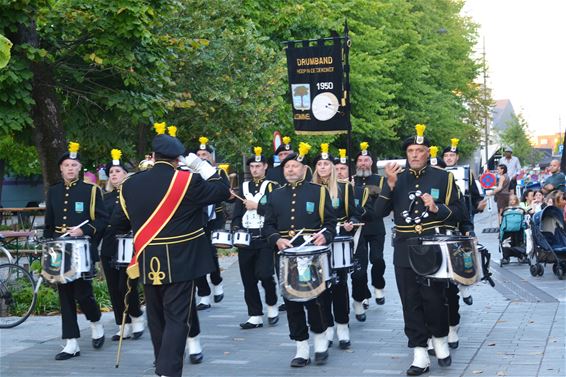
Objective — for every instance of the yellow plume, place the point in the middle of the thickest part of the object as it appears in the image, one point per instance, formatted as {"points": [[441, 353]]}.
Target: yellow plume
{"points": [[454, 143], [364, 145], [324, 148], [159, 128], [286, 139], [203, 140], [74, 147], [433, 151], [304, 148], [342, 153], [116, 154], [258, 150], [172, 131], [420, 128]]}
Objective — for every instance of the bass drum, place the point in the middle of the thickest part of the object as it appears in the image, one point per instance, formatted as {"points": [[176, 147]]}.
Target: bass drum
{"points": [[304, 272]]}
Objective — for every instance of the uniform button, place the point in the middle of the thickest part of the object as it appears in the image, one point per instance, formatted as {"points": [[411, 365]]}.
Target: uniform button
{"points": [[64, 224], [64, 209], [66, 194], [293, 202], [292, 226], [294, 194], [417, 186], [65, 202], [292, 217], [64, 217], [292, 209], [416, 211]]}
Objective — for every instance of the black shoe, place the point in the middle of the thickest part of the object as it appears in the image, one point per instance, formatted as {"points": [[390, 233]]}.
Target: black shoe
{"points": [[97, 343], [218, 298], [330, 342], [137, 335], [446, 362], [504, 261], [196, 358], [468, 300], [203, 306], [380, 301], [365, 305], [344, 344], [361, 317], [66, 356], [272, 320], [431, 352], [247, 325], [453, 345], [416, 371], [283, 308], [320, 358], [299, 362], [116, 337]]}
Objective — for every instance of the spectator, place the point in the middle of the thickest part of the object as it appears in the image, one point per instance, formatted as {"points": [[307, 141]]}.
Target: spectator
{"points": [[501, 192], [513, 167], [513, 201], [538, 201], [527, 201], [556, 180]]}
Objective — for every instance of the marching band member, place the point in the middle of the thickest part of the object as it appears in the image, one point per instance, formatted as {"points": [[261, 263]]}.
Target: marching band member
{"points": [[70, 203], [289, 209], [373, 233], [337, 306], [216, 220], [116, 277], [438, 204], [276, 173], [164, 206], [256, 260]]}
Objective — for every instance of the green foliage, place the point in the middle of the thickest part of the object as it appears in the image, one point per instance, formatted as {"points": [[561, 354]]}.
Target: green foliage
{"points": [[22, 158], [516, 136]]}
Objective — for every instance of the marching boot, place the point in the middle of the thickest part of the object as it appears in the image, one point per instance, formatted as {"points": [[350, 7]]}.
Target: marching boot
{"points": [[359, 311], [127, 332], [272, 315], [421, 362], [365, 303], [204, 303], [442, 351], [282, 307], [301, 358], [97, 334], [466, 293], [379, 296], [195, 350], [138, 326], [254, 322], [343, 332], [320, 349], [330, 335], [70, 350], [218, 292], [430, 348], [453, 336]]}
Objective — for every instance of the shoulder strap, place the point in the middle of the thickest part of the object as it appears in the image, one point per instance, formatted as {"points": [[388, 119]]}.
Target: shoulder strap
{"points": [[246, 188], [263, 186], [321, 202]]}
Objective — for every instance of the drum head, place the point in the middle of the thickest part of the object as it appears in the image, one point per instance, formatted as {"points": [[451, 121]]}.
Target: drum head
{"points": [[303, 277], [424, 259], [306, 250]]}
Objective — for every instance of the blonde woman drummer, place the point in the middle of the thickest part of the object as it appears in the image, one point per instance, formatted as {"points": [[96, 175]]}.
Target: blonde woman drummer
{"points": [[116, 277], [337, 305]]}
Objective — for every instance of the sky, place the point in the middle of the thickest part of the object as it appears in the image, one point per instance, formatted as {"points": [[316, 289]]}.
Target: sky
{"points": [[525, 42]]}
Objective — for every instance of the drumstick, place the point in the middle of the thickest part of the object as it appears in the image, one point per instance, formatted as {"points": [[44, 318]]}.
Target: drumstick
{"points": [[239, 197], [355, 224], [296, 235], [317, 233], [73, 228]]}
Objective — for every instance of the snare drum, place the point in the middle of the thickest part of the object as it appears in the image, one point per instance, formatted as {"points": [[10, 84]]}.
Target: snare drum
{"points": [[222, 239], [446, 257], [125, 250], [342, 252], [242, 238], [304, 272], [66, 259]]}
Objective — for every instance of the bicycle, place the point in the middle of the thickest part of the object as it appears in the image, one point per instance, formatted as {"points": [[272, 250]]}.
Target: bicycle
{"points": [[18, 291]]}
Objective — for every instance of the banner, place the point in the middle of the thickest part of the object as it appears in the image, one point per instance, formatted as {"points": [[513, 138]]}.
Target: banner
{"points": [[318, 85]]}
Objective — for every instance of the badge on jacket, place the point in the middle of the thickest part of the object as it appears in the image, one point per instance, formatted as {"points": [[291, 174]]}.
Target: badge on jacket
{"points": [[79, 207], [310, 207], [435, 193], [336, 202]]}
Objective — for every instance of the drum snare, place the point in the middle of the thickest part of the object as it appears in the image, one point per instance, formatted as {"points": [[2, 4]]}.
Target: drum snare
{"points": [[67, 259], [222, 239], [304, 272], [242, 238], [125, 250], [342, 252]]}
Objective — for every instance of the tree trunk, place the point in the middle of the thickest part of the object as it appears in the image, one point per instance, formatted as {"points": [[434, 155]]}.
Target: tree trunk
{"points": [[48, 132]]}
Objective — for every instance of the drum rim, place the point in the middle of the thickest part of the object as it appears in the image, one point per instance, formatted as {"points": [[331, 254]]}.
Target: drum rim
{"points": [[322, 249], [64, 239]]}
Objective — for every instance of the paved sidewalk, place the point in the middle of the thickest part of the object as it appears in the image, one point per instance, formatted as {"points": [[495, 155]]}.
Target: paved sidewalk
{"points": [[516, 329]]}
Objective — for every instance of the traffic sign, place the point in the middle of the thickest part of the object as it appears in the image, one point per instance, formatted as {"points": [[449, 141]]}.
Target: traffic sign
{"points": [[488, 180]]}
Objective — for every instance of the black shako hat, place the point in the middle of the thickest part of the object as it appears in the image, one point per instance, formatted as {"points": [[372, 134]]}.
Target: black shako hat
{"points": [[256, 157], [418, 139], [71, 154], [323, 155]]}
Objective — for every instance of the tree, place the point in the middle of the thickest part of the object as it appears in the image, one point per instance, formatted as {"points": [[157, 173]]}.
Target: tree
{"points": [[516, 136]]}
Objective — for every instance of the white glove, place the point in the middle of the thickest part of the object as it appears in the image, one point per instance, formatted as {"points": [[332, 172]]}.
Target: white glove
{"points": [[200, 166]]}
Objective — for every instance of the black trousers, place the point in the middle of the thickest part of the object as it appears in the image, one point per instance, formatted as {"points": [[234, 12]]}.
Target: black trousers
{"points": [[298, 329], [203, 289], [453, 304], [376, 244], [116, 280], [168, 308], [425, 310], [337, 303], [78, 291], [360, 290], [257, 265]]}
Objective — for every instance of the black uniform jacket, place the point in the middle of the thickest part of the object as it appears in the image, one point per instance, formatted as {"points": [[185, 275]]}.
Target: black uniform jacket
{"points": [[69, 205], [258, 235], [376, 226], [180, 251], [435, 181], [296, 206], [109, 245]]}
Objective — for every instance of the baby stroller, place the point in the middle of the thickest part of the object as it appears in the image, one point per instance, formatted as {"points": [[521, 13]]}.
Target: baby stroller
{"points": [[513, 237], [549, 238]]}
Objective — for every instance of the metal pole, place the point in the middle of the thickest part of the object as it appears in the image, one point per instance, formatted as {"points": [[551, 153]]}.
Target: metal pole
{"points": [[486, 108]]}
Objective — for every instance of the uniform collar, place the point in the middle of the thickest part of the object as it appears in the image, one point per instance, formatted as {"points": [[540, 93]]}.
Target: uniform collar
{"points": [[165, 163], [70, 184], [296, 184], [418, 173], [258, 181]]}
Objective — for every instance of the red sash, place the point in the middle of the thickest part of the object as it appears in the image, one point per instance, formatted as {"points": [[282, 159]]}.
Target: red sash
{"points": [[159, 218]]}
